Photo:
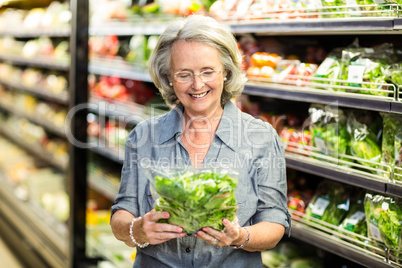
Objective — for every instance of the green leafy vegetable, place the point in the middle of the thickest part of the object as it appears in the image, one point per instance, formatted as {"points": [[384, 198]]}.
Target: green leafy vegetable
{"points": [[384, 218], [330, 203], [196, 200]]}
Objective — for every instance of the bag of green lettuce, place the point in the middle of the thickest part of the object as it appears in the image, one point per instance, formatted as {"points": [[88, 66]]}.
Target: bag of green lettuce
{"points": [[194, 197], [384, 219]]}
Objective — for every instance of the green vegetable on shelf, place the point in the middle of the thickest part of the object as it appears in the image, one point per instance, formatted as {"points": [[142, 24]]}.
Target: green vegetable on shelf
{"points": [[384, 219], [355, 220], [364, 144], [196, 200], [330, 203]]}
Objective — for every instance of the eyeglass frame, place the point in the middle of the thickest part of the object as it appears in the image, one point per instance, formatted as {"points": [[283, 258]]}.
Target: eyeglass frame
{"points": [[193, 75]]}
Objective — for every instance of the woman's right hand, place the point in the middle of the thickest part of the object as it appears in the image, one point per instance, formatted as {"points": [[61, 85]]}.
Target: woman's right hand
{"points": [[153, 232]]}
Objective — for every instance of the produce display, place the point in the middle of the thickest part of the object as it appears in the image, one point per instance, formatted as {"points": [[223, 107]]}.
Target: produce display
{"points": [[33, 180], [134, 50], [40, 48], [290, 254], [56, 15], [108, 130], [49, 113], [195, 199], [36, 136]]}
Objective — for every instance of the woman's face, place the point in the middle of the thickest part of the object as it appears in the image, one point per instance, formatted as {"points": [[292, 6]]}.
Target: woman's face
{"points": [[197, 96]]}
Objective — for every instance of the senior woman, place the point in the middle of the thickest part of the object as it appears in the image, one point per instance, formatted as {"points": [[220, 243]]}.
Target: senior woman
{"points": [[196, 67]]}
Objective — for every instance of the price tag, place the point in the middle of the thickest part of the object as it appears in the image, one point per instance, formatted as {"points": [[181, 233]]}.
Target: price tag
{"points": [[355, 73], [319, 207], [324, 66], [356, 217], [353, 9], [375, 232]]}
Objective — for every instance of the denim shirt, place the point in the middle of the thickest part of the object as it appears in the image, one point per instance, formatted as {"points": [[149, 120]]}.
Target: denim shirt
{"points": [[241, 141]]}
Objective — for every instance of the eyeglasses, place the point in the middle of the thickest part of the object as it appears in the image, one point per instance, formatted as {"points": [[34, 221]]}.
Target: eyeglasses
{"points": [[187, 77]]}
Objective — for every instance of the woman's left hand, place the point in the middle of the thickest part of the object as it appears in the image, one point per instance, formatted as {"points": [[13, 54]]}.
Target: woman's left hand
{"points": [[229, 236]]}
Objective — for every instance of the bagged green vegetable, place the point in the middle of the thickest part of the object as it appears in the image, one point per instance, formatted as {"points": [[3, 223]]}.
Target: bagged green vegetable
{"points": [[391, 140], [384, 219], [365, 133], [328, 130], [355, 220], [329, 71], [331, 203], [368, 65], [195, 197]]}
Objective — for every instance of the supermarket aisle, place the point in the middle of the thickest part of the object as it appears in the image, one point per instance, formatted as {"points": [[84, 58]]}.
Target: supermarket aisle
{"points": [[7, 258]]}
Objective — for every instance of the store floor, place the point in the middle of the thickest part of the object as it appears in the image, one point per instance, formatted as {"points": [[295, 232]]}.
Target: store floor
{"points": [[7, 258]]}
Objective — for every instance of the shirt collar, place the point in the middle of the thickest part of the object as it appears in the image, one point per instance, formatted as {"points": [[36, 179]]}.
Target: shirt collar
{"points": [[227, 132], [171, 124]]}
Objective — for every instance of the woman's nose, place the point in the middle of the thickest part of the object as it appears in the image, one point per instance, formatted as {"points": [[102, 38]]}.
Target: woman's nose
{"points": [[198, 83]]}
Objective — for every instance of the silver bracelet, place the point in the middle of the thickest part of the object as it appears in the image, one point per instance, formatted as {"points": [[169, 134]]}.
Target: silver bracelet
{"points": [[132, 236], [245, 243]]}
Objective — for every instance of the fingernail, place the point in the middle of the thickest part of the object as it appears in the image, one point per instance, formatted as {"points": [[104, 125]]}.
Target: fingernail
{"points": [[225, 221], [182, 234], [205, 229], [167, 215], [200, 233], [179, 229]]}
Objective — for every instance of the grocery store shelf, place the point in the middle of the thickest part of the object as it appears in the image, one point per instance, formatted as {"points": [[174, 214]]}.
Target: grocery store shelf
{"points": [[396, 107], [37, 91], [35, 149], [302, 94], [120, 68], [36, 120], [337, 246], [334, 172], [318, 26], [154, 25], [31, 33], [128, 112], [41, 62], [100, 183], [398, 24], [35, 226], [115, 154]]}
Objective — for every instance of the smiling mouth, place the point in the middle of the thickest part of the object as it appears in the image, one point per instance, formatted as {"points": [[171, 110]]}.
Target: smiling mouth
{"points": [[199, 95]]}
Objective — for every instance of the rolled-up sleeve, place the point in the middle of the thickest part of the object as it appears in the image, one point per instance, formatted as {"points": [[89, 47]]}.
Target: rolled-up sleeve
{"points": [[127, 198]]}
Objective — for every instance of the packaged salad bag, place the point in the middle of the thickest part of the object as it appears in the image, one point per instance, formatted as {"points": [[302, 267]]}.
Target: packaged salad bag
{"points": [[194, 197], [328, 130], [331, 202], [384, 219]]}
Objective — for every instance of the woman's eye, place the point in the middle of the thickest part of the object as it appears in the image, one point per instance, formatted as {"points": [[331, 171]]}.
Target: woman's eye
{"points": [[207, 73], [184, 75]]}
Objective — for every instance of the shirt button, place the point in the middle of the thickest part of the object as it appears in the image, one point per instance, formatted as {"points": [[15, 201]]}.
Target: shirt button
{"points": [[188, 250]]}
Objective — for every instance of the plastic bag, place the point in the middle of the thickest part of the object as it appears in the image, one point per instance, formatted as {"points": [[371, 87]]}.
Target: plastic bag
{"points": [[368, 65], [194, 197], [355, 220], [328, 130], [384, 219], [330, 203], [391, 140], [365, 131]]}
